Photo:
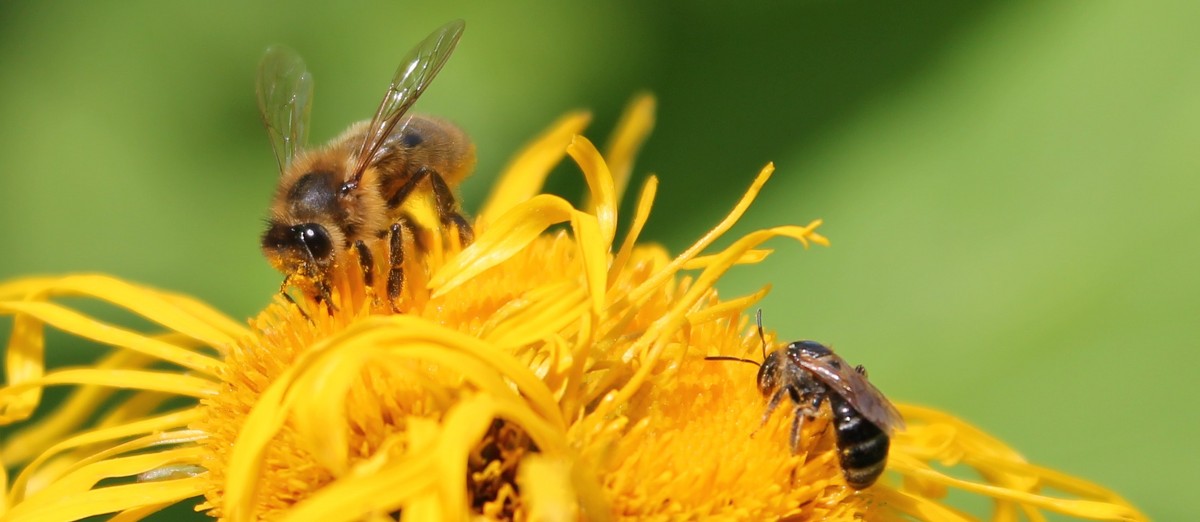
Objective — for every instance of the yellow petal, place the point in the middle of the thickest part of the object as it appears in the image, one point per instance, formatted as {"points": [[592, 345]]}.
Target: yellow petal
{"points": [[640, 215], [104, 500], [166, 382], [510, 233], [86, 327], [78, 408], [154, 305], [600, 185], [524, 176], [72, 496], [627, 139], [164, 422]]}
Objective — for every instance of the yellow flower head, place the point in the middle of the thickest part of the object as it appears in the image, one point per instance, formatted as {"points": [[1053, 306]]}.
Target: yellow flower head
{"points": [[546, 371]]}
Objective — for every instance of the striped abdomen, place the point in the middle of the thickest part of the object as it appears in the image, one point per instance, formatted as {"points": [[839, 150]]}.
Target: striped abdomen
{"points": [[862, 446]]}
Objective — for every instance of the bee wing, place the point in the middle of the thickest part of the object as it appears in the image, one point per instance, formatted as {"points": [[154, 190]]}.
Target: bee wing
{"points": [[855, 388], [284, 90], [416, 70]]}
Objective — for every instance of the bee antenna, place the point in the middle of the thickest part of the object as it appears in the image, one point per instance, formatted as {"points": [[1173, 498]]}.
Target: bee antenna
{"points": [[761, 335], [730, 358]]}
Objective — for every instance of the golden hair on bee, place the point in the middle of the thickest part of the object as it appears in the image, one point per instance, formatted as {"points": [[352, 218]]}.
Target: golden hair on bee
{"points": [[351, 192]]}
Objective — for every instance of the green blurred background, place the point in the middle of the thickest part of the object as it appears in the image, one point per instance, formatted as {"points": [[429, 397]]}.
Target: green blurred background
{"points": [[1011, 188]]}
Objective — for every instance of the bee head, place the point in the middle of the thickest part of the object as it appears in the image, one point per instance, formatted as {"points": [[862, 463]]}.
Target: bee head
{"points": [[289, 248], [770, 373]]}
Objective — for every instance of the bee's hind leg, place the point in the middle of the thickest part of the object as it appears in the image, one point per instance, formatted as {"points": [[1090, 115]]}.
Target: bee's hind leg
{"points": [[447, 208], [443, 199]]}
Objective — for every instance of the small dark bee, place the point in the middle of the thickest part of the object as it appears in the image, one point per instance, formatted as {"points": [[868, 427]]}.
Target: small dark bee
{"points": [[808, 373]]}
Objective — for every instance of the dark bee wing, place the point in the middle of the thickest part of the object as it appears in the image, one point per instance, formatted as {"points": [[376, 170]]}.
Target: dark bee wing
{"points": [[854, 387], [284, 90], [416, 70]]}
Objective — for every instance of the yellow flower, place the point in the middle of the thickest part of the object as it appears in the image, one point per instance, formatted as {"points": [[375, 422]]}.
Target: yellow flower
{"points": [[547, 371]]}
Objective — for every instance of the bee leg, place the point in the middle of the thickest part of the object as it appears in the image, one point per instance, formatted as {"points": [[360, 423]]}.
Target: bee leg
{"points": [[283, 291], [395, 281], [771, 405], [446, 204], [325, 293], [406, 220], [797, 425], [443, 199], [803, 411], [367, 262]]}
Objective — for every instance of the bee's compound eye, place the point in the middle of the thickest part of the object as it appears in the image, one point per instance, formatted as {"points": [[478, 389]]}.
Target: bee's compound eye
{"points": [[315, 239]]}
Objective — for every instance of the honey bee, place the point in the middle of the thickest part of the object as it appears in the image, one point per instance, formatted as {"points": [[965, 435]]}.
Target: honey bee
{"points": [[808, 373], [351, 191]]}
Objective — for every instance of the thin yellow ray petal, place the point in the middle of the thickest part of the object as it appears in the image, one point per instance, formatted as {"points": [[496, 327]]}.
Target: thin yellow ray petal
{"points": [[921, 508], [749, 258], [1080, 508], [662, 276], [511, 232], [143, 301], [1069, 484], [164, 422], [640, 215], [426, 505], [88, 328], [212, 316], [464, 425], [79, 406], [80, 480], [167, 382], [655, 340], [996, 462], [110, 499], [725, 308], [971, 438], [24, 360], [570, 405], [600, 185], [171, 440], [399, 332], [385, 490], [524, 176], [555, 489], [244, 466], [627, 139], [721, 264], [138, 513], [19, 288], [4, 503], [322, 388], [545, 312], [547, 489], [593, 250], [137, 405]]}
